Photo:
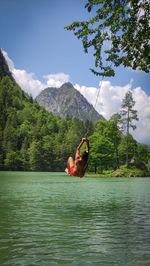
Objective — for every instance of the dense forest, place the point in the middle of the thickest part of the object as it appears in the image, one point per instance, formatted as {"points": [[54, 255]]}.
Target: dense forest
{"points": [[32, 139]]}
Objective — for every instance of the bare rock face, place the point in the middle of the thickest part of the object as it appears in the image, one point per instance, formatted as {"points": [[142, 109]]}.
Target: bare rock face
{"points": [[66, 100]]}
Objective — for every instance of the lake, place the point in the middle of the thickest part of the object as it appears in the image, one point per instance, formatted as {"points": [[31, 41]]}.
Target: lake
{"points": [[55, 219]]}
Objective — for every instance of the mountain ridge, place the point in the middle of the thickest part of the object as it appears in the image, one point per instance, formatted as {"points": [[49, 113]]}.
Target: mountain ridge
{"points": [[66, 100]]}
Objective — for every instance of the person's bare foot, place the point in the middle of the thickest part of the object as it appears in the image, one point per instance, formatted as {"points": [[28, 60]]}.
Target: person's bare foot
{"points": [[66, 170]]}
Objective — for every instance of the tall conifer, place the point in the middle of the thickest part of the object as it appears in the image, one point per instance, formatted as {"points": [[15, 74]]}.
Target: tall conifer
{"points": [[128, 115]]}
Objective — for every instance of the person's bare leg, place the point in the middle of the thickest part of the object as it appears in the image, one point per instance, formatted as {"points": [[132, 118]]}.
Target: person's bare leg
{"points": [[70, 163]]}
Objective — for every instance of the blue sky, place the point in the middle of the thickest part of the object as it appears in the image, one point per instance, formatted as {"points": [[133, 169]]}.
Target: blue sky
{"points": [[33, 35], [43, 54]]}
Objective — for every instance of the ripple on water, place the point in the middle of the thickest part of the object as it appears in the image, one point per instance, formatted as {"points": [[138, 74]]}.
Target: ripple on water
{"points": [[52, 219]]}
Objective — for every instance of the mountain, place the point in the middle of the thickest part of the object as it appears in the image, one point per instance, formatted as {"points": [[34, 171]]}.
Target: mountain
{"points": [[66, 100]]}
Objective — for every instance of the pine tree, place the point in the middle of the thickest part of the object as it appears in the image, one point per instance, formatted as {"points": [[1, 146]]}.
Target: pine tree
{"points": [[128, 115]]}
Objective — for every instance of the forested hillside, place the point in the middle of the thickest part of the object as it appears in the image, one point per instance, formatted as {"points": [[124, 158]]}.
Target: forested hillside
{"points": [[31, 138]]}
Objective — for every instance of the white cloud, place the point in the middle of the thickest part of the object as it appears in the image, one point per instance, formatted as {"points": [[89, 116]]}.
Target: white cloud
{"points": [[90, 93], [109, 102], [28, 83], [56, 80], [106, 99], [142, 133], [9, 61], [31, 85], [26, 80]]}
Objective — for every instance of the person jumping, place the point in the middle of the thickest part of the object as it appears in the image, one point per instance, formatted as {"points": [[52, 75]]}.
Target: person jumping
{"points": [[78, 167]]}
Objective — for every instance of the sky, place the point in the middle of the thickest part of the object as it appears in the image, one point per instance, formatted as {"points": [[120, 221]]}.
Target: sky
{"points": [[41, 53]]}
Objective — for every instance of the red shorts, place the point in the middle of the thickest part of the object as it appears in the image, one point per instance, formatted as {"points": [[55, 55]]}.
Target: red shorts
{"points": [[72, 172]]}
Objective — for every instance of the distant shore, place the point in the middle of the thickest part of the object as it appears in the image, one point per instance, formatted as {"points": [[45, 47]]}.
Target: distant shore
{"points": [[121, 172]]}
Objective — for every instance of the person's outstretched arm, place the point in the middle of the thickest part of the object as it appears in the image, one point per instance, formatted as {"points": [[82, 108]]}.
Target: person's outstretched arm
{"points": [[87, 145], [78, 148]]}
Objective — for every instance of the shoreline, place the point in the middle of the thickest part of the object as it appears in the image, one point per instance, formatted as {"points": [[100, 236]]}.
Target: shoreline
{"points": [[121, 172]]}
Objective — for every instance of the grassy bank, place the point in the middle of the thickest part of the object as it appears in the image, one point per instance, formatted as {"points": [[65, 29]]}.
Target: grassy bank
{"points": [[121, 172]]}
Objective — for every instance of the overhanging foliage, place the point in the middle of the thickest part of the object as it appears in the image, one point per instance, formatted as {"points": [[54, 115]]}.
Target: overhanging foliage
{"points": [[122, 23]]}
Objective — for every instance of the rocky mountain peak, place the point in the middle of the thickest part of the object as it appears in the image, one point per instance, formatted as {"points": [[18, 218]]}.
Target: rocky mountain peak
{"points": [[66, 100], [67, 85]]}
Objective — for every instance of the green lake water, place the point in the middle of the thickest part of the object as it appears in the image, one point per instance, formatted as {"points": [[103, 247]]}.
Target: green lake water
{"points": [[55, 219]]}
